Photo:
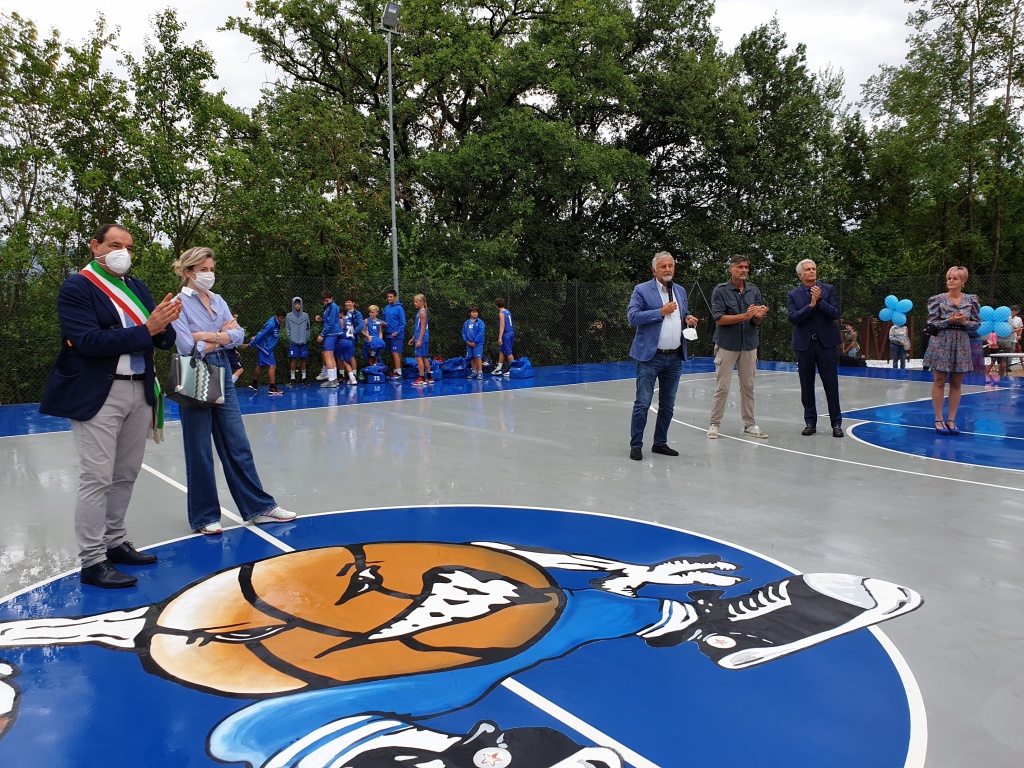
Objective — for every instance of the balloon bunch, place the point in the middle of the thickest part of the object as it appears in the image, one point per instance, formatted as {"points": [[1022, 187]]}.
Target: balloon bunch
{"points": [[997, 320], [895, 310]]}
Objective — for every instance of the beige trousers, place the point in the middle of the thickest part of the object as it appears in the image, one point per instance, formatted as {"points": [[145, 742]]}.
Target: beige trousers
{"points": [[745, 363]]}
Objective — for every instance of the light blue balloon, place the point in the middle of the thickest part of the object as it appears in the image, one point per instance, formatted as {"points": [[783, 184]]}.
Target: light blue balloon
{"points": [[985, 328], [1003, 329], [891, 302], [885, 315], [898, 318], [1002, 315], [904, 306], [987, 313]]}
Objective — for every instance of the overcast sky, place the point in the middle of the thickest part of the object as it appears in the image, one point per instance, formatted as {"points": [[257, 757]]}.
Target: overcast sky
{"points": [[856, 36]]}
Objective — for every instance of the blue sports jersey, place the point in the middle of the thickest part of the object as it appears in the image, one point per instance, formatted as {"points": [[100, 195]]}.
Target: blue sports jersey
{"points": [[332, 317], [267, 338], [421, 317], [508, 322], [373, 326]]}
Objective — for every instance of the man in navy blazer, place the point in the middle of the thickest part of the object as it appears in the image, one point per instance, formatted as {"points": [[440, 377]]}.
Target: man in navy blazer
{"points": [[813, 311], [103, 381], [657, 309]]}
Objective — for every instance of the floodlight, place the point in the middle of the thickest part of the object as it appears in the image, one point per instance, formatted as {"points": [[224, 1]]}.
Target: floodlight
{"points": [[389, 18]]}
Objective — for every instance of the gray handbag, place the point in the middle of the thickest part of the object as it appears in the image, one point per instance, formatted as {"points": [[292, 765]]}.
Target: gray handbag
{"points": [[193, 382]]}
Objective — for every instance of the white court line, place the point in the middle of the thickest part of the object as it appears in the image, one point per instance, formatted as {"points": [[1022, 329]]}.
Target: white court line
{"points": [[583, 728], [258, 530]]}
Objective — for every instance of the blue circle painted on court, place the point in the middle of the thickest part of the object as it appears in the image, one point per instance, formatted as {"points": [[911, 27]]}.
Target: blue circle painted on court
{"points": [[613, 657]]}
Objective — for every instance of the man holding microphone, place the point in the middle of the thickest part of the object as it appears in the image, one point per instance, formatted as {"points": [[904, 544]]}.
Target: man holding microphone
{"points": [[657, 310]]}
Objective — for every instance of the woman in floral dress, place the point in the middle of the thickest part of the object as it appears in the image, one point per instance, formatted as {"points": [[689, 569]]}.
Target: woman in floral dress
{"points": [[952, 314]]}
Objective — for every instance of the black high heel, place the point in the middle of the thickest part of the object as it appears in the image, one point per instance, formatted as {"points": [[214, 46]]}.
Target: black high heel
{"points": [[940, 427], [951, 428]]}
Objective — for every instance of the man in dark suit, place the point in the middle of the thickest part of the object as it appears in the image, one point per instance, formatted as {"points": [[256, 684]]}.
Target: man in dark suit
{"points": [[657, 309], [813, 311], [103, 381]]}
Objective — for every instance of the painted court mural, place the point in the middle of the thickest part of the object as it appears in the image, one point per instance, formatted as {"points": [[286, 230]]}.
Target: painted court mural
{"points": [[480, 637]]}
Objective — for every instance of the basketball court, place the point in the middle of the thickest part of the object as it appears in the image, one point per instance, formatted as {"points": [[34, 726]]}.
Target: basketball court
{"points": [[530, 481]]}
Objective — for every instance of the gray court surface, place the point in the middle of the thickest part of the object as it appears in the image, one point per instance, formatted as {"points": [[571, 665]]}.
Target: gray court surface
{"points": [[951, 531]]}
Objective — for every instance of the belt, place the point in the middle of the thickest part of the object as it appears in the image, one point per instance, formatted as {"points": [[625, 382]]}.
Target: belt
{"points": [[668, 351], [127, 377], [814, 336]]}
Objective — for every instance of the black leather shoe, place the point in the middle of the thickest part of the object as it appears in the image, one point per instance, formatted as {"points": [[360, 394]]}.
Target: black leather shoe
{"points": [[808, 430], [837, 431], [107, 576], [125, 554], [664, 450], [636, 454]]}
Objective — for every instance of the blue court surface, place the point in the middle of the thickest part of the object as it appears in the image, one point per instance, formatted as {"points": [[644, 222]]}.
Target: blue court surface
{"points": [[480, 576]]}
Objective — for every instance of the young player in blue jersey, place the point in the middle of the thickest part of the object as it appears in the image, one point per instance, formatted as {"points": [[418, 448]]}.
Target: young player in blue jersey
{"points": [[394, 332], [420, 341], [506, 335], [345, 351], [265, 341], [373, 332], [355, 319], [329, 338], [473, 335]]}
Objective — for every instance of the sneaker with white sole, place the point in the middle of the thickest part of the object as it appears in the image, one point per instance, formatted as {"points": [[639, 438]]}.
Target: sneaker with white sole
{"points": [[754, 431], [322, 376], [276, 515], [783, 617], [496, 370], [713, 432], [211, 529]]}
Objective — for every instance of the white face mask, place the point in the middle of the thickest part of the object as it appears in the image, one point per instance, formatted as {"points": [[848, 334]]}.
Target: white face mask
{"points": [[118, 262], [204, 281]]}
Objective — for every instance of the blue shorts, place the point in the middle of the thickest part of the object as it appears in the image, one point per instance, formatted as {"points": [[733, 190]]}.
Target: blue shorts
{"points": [[233, 359], [393, 344], [506, 343], [346, 349], [330, 341], [421, 349], [476, 351], [298, 350], [265, 358]]}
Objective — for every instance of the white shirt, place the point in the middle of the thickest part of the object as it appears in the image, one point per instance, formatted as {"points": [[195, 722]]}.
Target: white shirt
{"points": [[671, 325]]}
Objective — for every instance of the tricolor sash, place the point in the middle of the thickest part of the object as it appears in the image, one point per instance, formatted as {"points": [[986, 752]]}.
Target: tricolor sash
{"points": [[125, 300]]}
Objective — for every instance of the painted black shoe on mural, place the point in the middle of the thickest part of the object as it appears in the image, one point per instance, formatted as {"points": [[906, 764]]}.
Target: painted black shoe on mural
{"points": [[790, 615], [484, 745]]}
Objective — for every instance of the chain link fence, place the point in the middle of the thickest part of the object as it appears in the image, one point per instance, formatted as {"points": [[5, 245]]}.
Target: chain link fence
{"points": [[555, 323]]}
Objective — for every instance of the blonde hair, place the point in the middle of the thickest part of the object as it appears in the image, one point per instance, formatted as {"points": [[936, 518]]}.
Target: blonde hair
{"points": [[189, 259], [960, 272], [422, 298], [373, 308]]}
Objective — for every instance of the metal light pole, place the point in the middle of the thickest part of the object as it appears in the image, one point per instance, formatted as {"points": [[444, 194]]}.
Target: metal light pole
{"points": [[389, 25]]}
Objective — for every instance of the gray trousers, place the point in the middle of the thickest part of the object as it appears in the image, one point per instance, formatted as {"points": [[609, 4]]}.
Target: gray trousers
{"points": [[745, 363], [110, 449]]}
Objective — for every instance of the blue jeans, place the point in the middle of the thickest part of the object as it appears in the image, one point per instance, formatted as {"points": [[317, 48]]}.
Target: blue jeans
{"points": [[666, 370], [222, 423], [899, 355]]}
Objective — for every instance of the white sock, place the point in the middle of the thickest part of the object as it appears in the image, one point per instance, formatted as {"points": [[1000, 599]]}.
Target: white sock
{"points": [[234, 378], [293, 375], [332, 374], [303, 375]]}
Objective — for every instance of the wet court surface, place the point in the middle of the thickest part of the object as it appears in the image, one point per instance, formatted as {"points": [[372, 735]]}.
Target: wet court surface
{"points": [[469, 468]]}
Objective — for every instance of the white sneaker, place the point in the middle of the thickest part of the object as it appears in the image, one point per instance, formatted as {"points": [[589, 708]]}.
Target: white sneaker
{"points": [[713, 432], [754, 431], [496, 370], [276, 515], [211, 529], [322, 376]]}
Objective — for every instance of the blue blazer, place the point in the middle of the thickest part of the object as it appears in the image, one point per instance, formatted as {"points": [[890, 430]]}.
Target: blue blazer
{"points": [[819, 319], [644, 314], [92, 341]]}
